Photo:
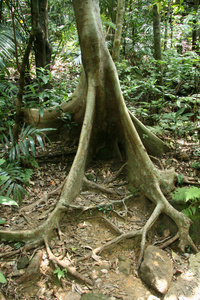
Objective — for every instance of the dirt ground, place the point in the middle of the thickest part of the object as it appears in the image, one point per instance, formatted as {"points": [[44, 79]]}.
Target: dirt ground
{"points": [[105, 216]]}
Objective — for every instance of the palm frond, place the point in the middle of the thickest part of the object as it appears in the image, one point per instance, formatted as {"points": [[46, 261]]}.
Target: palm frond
{"points": [[7, 45]]}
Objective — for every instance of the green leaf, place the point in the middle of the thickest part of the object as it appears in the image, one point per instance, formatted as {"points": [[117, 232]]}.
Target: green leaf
{"points": [[2, 278], [23, 148], [32, 144], [40, 141], [2, 161], [41, 111], [2, 222], [7, 201], [60, 273]]}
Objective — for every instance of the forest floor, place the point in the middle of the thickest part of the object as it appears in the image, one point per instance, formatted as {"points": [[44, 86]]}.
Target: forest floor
{"points": [[105, 217]]}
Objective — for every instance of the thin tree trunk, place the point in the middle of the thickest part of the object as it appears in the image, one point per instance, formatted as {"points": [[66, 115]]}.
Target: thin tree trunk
{"points": [[167, 24], [118, 32], [14, 32], [157, 43], [42, 46], [19, 101], [194, 31]]}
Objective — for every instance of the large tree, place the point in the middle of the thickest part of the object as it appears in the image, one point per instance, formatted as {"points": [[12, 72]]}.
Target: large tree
{"points": [[99, 107]]}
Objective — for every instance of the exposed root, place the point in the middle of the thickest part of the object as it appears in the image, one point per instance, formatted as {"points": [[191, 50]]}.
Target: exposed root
{"points": [[66, 265], [43, 199], [33, 270], [117, 174], [188, 180], [157, 211], [26, 248], [37, 234], [112, 226], [97, 187], [33, 205], [169, 241]]}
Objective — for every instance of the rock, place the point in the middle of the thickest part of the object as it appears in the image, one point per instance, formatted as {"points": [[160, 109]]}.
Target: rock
{"points": [[69, 296], [91, 296], [194, 263], [156, 269], [125, 267], [187, 285], [22, 262]]}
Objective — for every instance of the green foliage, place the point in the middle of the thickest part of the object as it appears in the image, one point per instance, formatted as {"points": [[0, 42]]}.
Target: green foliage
{"points": [[26, 143], [46, 91], [189, 195], [7, 45], [186, 194], [6, 200], [2, 278], [12, 179], [13, 176], [182, 70], [60, 273], [105, 208], [195, 164]]}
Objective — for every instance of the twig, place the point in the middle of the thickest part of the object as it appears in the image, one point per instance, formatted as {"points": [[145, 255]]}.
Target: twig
{"points": [[170, 241], [92, 185], [118, 173], [63, 264], [27, 247], [113, 226]]}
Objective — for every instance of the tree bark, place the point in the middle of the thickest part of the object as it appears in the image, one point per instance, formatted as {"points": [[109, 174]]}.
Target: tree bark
{"points": [[118, 32], [42, 47]]}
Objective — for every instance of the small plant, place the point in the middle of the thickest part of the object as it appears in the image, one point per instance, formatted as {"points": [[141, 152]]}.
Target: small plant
{"points": [[105, 208], [189, 195], [60, 273], [195, 164]]}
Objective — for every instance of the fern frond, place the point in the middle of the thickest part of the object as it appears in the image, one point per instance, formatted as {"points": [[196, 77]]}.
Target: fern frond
{"points": [[186, 194]]}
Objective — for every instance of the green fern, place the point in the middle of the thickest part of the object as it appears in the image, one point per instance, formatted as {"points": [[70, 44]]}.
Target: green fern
{"points": [[26, 143], [7, 45], [12, 180], [186, 194], [190, 195]]}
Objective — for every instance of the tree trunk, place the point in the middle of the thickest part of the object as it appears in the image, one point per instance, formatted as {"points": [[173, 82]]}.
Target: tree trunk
{"points": [[19, 101], [107, 123], [167, 15], [194, 31], [157, 43], [42, 46], [1, 10], [118, 32]]}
